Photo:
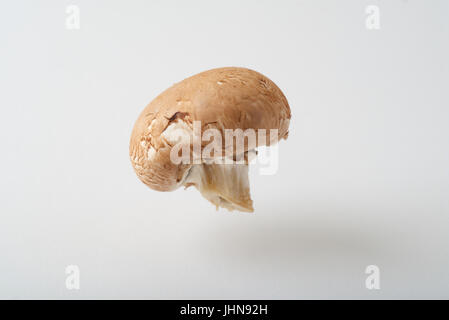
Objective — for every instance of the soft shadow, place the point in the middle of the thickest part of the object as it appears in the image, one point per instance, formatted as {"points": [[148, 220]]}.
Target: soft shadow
{"points": [[292, 240]]}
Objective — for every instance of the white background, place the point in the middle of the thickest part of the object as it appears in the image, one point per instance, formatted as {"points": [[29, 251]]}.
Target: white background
{"points": [[363, 178]]}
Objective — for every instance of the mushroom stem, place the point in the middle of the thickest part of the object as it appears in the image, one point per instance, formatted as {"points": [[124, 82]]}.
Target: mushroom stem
{"points": [[225, 185]]}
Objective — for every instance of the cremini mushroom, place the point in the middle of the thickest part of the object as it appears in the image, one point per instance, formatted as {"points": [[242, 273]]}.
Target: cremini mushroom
{"points": [[172, 134]]}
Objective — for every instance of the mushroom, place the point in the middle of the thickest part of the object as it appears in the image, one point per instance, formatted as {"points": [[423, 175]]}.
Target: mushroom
{"points": [[184, 119]]}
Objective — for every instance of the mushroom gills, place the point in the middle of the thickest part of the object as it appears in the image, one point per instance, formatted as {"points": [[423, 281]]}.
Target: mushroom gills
{"points": [[225, 185]]}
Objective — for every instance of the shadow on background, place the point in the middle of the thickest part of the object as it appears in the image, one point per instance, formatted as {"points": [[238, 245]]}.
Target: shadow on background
{"points": [[293, 240]]}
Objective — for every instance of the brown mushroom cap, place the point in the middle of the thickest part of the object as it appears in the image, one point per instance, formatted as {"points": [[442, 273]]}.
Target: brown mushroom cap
{"points": [[223, 98]]}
